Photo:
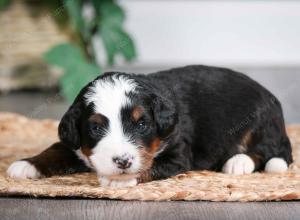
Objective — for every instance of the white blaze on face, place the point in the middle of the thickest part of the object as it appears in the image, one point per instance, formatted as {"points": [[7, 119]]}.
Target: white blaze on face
{"points": [[109, 98]]}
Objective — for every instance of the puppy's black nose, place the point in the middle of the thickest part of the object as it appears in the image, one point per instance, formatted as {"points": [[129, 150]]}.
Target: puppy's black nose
{"points": [[123, 163]]}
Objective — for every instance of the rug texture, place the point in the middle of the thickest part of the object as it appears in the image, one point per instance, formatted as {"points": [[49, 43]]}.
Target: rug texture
{"points": [[22, 137]]}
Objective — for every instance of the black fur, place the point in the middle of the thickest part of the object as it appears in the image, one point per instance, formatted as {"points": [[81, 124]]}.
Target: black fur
{"points": [[201, 115], [216, 107]]}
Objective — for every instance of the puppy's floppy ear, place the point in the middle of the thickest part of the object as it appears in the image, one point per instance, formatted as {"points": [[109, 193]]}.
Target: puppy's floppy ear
{"points": [[68, 129], [165, 115]]}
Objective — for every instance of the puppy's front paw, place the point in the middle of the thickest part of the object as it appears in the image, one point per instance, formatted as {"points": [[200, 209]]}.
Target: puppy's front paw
{"points": [[104, 181], [22, 170], [239, 164]]}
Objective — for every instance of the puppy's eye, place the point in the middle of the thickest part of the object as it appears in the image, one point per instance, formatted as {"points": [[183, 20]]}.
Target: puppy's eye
{"points": [[141, 126], [95, 127]]}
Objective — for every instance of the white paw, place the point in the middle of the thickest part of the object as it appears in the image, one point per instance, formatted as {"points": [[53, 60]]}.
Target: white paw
{"points": [[276, 165], [239, 164], [104, 181], [22, 170]]}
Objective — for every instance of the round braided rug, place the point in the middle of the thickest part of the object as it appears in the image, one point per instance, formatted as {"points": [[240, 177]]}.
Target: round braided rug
{"points": [[21, 137]]}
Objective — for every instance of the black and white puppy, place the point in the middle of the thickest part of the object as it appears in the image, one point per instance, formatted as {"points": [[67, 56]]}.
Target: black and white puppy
{"points": [[136, 128]]}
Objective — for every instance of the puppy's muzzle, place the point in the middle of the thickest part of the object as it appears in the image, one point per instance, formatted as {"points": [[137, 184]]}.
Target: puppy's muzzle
{"points": [[123, 162]]}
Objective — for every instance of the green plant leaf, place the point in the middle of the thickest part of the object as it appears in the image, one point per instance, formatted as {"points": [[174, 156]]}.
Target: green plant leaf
{"points": [[63, 55], [111, 14], [74, 10], [77, 71], [117, 41], [75, 79], [4, 3], [126, 46]]}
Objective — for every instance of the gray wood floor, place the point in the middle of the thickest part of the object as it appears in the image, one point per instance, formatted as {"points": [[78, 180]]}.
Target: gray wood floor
{"points": [[46, 209]]}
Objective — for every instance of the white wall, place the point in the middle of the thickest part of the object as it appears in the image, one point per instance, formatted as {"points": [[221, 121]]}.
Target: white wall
{"points": [[215, 32]]}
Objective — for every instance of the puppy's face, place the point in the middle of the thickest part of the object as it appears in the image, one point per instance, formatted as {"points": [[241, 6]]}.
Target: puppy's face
{"points": [[121, 126]]}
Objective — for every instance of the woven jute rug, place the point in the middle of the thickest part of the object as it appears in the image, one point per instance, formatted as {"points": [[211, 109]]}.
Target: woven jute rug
{"points": [[21, 137]]}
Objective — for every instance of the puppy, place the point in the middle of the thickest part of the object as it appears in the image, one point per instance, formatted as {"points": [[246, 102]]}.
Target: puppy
{"points": [[132, 128]]}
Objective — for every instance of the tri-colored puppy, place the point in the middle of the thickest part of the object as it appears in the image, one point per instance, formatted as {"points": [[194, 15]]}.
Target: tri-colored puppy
{"points": [[136, 128]]}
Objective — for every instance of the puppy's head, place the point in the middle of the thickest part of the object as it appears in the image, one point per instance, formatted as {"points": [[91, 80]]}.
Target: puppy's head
{"points": [[119, 124]]}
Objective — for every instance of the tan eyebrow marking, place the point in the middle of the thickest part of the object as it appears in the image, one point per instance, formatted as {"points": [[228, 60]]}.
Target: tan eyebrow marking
{"points": [[137, 113], [97, 118]]}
